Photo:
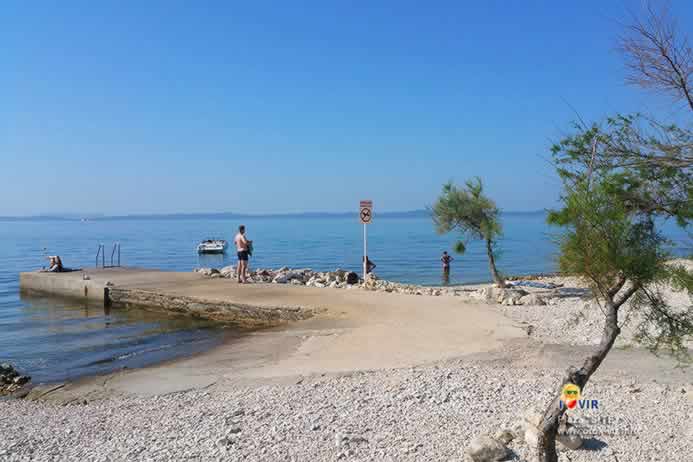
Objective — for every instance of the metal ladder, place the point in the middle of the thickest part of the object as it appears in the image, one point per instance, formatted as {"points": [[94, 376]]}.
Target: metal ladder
{"points": [[115, 256]]}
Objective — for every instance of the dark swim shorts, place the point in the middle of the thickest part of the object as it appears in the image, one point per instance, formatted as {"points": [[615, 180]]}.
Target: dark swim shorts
{"points": [[243, 255]]}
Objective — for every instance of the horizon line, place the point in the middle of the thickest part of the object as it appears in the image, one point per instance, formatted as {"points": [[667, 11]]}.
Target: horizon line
{"points": [[89, 216]]}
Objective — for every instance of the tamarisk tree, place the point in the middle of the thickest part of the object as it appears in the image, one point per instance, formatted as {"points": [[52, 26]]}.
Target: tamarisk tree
{"points": [[611, 240], [474, 214]]}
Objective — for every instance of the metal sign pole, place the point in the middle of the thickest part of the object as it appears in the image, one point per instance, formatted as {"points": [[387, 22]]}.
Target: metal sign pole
{"points": [[365, 251], [366, 216]]}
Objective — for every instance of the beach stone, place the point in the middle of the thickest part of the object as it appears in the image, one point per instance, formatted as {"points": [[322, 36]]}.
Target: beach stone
{"points": [[533, 416], [505, 436], [281, 278], [570, 440], [568, 435], [21, 380], [484, 448], [510, 296], [532, 299], [352, 278], [531, 435]]}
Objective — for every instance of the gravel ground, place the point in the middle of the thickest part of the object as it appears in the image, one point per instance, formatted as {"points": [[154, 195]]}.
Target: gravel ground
{"points": [[574, 318], [424, 413]]}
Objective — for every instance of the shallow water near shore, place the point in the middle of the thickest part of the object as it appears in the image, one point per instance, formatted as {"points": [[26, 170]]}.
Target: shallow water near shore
{"points": [[54, 340]]}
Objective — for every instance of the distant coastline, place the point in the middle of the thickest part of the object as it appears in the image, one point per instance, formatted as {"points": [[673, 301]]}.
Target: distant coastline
{"points": [[230, 215]]}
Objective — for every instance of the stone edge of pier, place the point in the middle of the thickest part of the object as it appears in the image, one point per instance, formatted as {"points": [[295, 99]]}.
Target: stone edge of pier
{"points": [[73, 286]]}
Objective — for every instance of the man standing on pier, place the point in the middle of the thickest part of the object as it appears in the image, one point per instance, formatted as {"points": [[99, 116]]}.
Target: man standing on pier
{"points": [[242, 249]]}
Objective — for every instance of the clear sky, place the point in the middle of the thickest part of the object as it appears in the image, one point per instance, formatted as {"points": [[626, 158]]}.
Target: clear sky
{"points": [[178, 106]]}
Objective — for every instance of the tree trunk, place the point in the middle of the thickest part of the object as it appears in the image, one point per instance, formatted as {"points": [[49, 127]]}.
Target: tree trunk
{"points": [[545, 450], [497, 279]]}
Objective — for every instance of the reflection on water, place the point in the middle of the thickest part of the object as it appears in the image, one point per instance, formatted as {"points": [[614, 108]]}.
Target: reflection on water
{"points": [[214, 260], [57, 339], [445, 280]]}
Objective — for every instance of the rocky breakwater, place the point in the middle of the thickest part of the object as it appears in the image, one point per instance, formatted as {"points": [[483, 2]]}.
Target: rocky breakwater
{"points": [[337, 279], [11, 380], [342, 279], [508, 296]]}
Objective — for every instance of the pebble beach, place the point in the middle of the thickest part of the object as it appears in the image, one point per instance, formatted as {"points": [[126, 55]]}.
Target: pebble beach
{"points": [[428, 411], [421, 413]]}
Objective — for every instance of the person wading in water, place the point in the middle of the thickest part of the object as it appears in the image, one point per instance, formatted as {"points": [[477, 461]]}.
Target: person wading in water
{"points": [[242, 249], [446, 259]]}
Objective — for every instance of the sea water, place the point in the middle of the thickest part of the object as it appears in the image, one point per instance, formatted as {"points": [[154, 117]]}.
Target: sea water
{"points": [[53, 339]]}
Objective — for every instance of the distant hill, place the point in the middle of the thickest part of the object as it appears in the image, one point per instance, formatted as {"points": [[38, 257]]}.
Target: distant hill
{"points": [[232, 216]]}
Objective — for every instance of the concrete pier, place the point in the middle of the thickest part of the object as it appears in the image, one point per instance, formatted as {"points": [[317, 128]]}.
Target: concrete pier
{"points": [[185, 293]]}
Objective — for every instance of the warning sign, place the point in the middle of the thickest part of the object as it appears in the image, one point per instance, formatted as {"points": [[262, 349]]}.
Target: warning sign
{"points": [[366, 212]]}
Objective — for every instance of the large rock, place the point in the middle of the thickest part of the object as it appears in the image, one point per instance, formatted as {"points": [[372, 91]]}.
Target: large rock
{"points": [[510, 296], [10, 379], [507, 296], [484, 448], [352, 278], [281, 278], [287, 276], [228, 271], [371, 281], [567, 435], [532, 299]]}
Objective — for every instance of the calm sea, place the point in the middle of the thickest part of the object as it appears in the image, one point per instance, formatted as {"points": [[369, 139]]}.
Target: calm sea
{"points": [[53, 339]]}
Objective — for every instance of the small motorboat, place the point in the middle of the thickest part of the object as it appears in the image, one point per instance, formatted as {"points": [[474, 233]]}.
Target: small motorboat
{"points": [[212, 246]]}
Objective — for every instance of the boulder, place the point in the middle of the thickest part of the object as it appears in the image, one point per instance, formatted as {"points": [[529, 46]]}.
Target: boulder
{"points": [[352, 278], [10, 379], [505, 436], [281, 278], [510, 296], [228, 271], [532, 299], [570, 440], [568, 435], [484, 448]]}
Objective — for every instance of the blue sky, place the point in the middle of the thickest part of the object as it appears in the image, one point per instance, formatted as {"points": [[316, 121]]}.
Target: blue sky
{"points": [[164, 106]]}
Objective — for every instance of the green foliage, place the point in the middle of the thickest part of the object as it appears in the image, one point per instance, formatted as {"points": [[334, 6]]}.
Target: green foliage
{"points": [[472, 213], [610, 238], [467, 210], [649, 165], [460, 247], [604, 240]]}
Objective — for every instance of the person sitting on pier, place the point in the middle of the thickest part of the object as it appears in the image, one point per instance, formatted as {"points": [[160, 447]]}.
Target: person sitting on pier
{"points": [[56, 264]]}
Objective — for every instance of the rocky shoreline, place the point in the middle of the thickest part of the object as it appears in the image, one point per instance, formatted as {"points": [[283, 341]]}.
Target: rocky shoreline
{"points": [[11, 380], [342, 279]]}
